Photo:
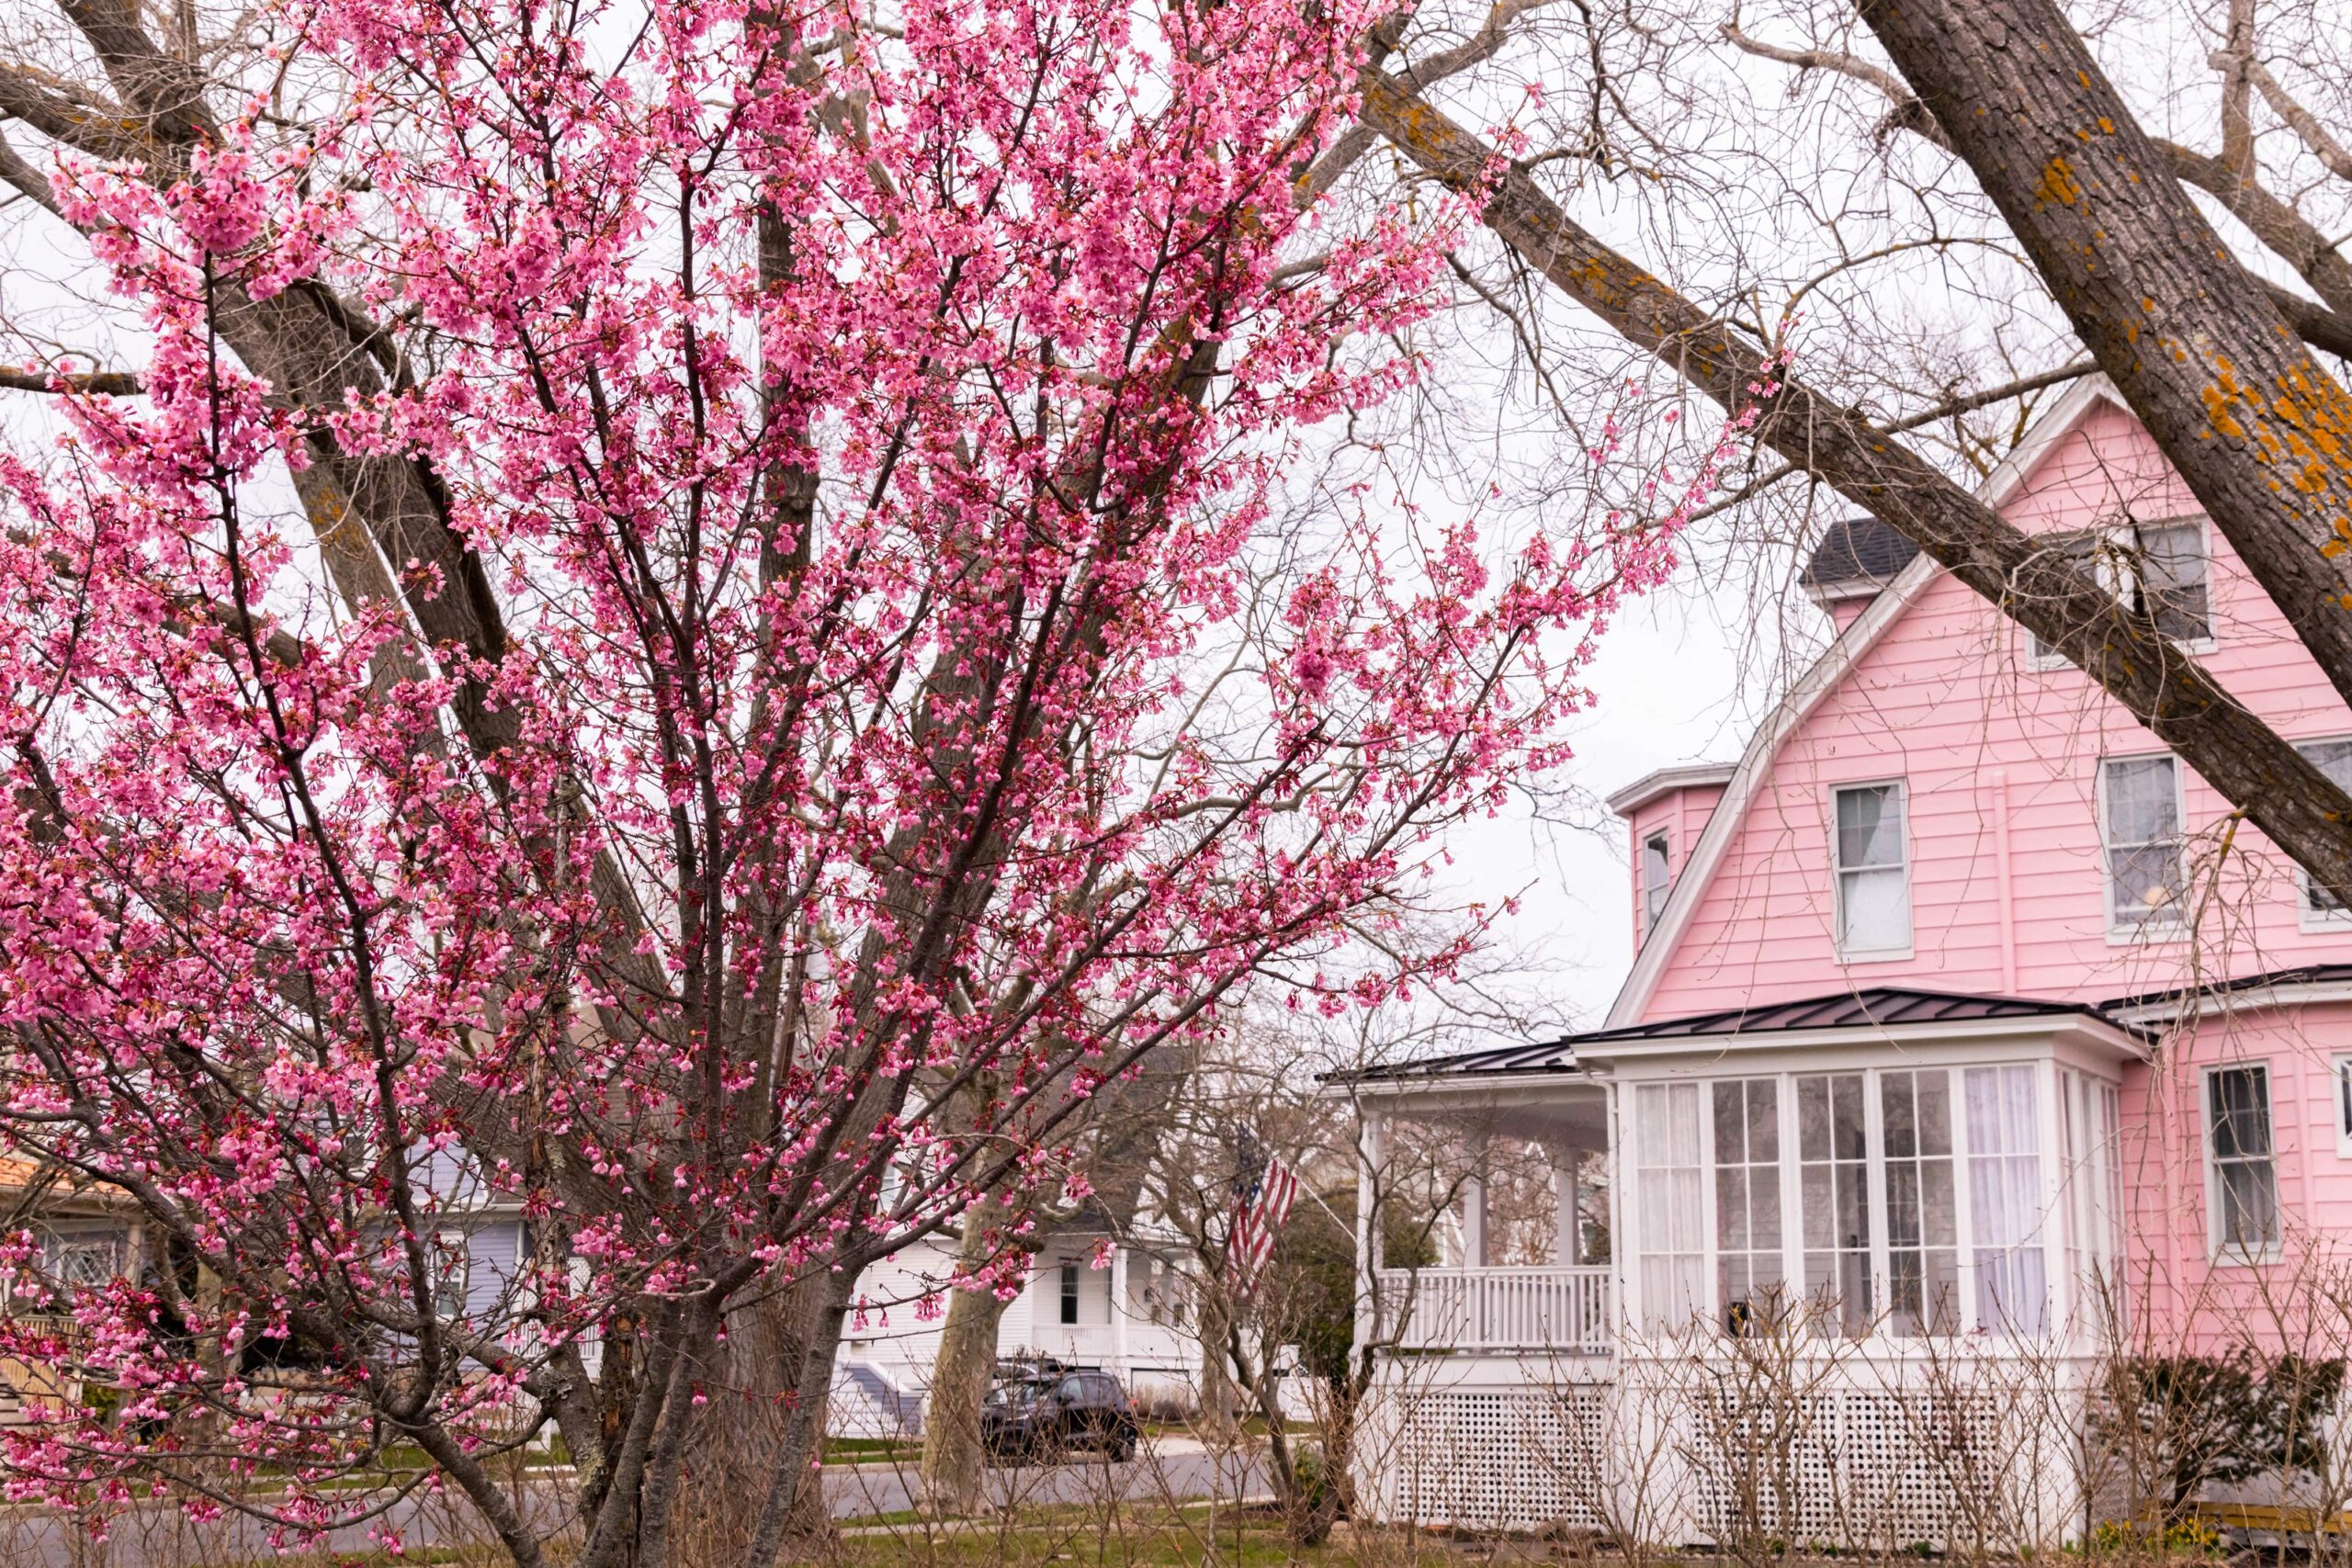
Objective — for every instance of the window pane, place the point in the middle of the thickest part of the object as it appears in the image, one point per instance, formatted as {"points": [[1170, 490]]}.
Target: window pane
{"points": [[1656, 880], [2142, 805], [2241, 1112], [1877, 909], [1731, 1124], [2146, 883], [2172, 579], [1870, 826], [2333, 758], [2249, 1204]]}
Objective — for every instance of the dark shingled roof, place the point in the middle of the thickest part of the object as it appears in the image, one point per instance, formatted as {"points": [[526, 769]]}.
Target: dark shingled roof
{"points": [[1881, 1006], [1859, 549]]}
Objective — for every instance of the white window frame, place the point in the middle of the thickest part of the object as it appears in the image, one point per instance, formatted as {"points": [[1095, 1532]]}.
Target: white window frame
{"points": [[2108, 535], [1654, 899], [2342, 1068], [2173, 925], [2221, 1254], [1901, 787], [1069, 1296], [2310, 920], [2064, 1290]]}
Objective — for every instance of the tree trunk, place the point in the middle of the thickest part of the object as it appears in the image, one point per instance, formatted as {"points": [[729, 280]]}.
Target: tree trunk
{"points": [[2235, 752], [954, 1466], [2260, 432]]}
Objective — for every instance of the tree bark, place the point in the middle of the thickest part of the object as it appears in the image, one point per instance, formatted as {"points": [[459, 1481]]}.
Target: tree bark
{"points": [[2260, 773], [954, 1465], [2257, 429]]}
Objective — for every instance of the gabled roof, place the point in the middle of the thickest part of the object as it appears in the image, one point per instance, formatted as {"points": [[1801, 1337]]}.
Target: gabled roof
{"points": [[1859, 637], [1874, 1007]]}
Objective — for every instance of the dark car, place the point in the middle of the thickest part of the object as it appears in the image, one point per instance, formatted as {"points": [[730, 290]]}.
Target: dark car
{"points": [[1053, 1415]]}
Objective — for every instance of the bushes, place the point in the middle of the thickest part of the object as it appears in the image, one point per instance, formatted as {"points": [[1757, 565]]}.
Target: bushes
{"points": [[2186, 1422]]}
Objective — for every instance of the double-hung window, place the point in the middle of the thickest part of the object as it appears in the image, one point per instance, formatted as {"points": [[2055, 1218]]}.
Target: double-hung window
{"points": [[2242, 1188], [1748, 1201], [1833, 1179], [1069, 1293], [1657, 880], [2333, 758], [2157, 570], [2140, 818], [1868, 845]]}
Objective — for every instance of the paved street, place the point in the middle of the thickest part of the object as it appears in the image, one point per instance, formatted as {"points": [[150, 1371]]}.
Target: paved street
{"points": [[1178, 1469]]}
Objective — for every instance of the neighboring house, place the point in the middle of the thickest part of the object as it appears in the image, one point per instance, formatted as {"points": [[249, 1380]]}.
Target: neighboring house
{"points": [[1966, 1024], [1130, 1317], [89, 1236]]}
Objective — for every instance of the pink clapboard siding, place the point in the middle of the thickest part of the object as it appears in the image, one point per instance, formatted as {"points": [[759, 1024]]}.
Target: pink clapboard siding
{"points": [[2000, 758]]}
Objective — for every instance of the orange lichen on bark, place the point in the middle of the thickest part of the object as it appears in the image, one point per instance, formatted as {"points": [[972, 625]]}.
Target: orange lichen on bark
{"points": [[2057, 187]]}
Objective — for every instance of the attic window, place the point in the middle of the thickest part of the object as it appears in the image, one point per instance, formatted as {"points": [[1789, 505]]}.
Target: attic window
{"points": [[2159, 570], [1657, 880]]}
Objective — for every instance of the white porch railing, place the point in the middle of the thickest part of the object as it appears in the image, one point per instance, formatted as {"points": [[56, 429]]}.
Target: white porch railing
{"points": [[1571, 1311]]}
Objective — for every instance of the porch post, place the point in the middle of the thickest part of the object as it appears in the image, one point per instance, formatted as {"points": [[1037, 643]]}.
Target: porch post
{"points": [[1474, 1223], [1372, 1137], [1569, 1251]]}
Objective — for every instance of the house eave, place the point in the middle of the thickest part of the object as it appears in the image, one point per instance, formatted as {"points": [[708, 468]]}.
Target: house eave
{"points": [[1666, 781]]}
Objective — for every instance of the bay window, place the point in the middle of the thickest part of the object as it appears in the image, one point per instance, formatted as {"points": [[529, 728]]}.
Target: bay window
{"points": [[1905, 1201]]}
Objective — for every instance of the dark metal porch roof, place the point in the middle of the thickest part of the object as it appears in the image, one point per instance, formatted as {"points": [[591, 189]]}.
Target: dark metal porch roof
{"points": [[1885, 1007]]}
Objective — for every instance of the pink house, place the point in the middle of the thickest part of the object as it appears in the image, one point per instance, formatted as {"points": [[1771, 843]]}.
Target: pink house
{"points": [[1970, 1038]]}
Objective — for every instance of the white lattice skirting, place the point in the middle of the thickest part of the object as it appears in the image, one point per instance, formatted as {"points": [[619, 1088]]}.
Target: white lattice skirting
{"points": [[1852, 1468]]}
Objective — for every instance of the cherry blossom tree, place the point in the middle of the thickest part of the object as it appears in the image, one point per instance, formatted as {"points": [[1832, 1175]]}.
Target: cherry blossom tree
{"points": [[680, 587]]}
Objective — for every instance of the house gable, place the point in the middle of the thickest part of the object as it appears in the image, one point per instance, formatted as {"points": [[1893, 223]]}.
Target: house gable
{"points": [[1997, 754]]}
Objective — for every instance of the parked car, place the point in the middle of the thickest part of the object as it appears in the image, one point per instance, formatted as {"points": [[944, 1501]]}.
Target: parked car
{"points": [[1047, 1416]]}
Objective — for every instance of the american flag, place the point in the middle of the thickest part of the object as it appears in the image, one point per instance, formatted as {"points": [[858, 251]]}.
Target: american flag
{"points": [[1263, 1191]]}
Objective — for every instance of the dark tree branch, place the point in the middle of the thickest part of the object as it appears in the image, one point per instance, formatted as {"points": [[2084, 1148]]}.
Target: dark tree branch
{"points": [[2252, 767]]}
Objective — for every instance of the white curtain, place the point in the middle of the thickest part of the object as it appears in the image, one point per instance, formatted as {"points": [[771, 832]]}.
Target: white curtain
{"points": [[2005, 1195], [1670, 1181]]}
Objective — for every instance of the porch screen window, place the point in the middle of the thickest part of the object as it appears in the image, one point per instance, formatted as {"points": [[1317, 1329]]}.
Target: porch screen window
{"points": [[1748, 1201], [2142, 811], [2005, 1201], [1873, 882], [1832, 1167], [1922, 1219], [2244, 1185], [1657, 880], [2333, 758], [1670, 1204], [1069, 1293]]}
